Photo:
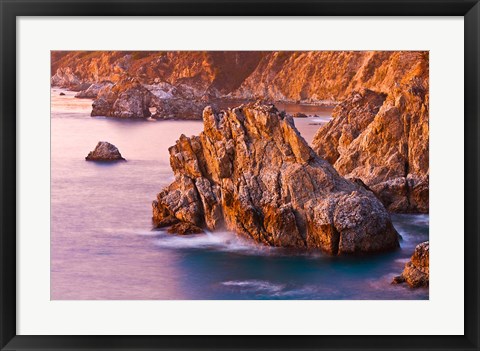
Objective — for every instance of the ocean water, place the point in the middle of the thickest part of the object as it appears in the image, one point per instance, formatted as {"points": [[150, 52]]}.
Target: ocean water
{"points": [[102, 245]]}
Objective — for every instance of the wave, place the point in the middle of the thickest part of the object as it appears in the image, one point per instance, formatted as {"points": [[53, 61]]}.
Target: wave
{"points": [[255, 285], [227, 241], [278, 290], [221, 241]]}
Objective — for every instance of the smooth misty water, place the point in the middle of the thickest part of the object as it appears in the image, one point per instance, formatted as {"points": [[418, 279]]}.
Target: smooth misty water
{"points": [[102, 245]]}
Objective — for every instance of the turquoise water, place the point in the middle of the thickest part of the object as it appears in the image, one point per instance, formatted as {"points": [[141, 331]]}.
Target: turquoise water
{"points": [[102, 245]]}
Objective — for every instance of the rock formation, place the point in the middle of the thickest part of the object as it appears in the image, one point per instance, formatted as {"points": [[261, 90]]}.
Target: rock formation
{"points": [[416, 272], [251, 172], [93, 90], [65, 78], [178, 109], [126, 99], [104, 151], [382, 138], [299, 115]]}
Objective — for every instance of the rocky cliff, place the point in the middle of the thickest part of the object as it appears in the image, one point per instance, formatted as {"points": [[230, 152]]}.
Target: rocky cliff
{"points": [[380, 132], [382, 138], [212, 73], [308, 76], [252, 172]]}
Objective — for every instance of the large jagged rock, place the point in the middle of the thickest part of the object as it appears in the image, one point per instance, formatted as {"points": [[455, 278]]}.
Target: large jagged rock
{"points": [[252, 172], [416, 272], [104, 151], [126, 99], [383, 140]]}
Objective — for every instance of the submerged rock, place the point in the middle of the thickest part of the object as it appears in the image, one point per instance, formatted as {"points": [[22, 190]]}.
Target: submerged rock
{"points": [[184, 228], [416, 272], [251, 172], [104, 151]]}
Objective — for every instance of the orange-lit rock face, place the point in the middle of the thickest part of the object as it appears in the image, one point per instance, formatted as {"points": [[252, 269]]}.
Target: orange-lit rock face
{"points": [[252, 172], [383, 139], [275, 76], [215, 73], [380, 133]]}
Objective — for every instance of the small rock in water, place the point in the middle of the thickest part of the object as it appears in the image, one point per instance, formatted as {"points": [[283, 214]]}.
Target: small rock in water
{"points": [[416, 273], [104, 151], [62, 94], [299, 115], [399, 279], [184, 228]]}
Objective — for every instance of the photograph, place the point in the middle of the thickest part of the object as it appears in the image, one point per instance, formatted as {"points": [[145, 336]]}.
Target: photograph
{"points": [[239, 175]]}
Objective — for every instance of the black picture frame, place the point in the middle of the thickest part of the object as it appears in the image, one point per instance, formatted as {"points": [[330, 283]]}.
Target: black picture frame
{"points": [[10, 10]]}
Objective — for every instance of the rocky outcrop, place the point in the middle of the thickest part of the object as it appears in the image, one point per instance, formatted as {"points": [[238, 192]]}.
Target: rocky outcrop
{"points": [[126, 99], [104, 151], [178, 109], [382, 138], [131, 99], [251, 172], [65, 78], [299, 115], [93, 90], [416, 272]]}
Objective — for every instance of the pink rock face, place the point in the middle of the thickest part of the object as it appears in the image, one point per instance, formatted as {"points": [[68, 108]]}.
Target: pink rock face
{"points": [[251, 172]]}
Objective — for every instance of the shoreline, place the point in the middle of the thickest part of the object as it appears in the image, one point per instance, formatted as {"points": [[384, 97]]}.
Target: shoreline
{"points": [[330, 104]]}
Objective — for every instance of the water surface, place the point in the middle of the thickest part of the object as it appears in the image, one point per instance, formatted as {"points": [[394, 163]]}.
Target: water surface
{"points": [[102, 245]]}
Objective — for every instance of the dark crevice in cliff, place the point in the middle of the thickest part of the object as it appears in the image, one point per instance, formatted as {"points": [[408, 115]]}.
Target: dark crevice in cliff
{"points": [[335, 241], [407, 160]]}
